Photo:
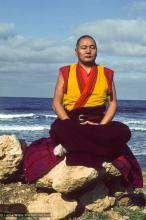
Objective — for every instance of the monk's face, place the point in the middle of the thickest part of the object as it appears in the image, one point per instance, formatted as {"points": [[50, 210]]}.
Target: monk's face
{"points": [[86, 51]]}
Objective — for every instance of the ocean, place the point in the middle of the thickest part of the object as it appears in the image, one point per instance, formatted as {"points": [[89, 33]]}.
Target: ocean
{"points": [[30, 119]]}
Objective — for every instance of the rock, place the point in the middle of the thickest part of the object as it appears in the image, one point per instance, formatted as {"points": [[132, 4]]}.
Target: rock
{"points": [[10, 218], [134, 208], [133, 199], [87, 185], [23, 198], [10, 156], [113, 215], [124, 201], [65, 179], [17, 193], [111, 169], [53, 205], [97, 199]]}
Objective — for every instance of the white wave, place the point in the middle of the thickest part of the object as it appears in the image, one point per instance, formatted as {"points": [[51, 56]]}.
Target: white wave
{"points": [[136, 122], [137, 129], [51, 116], [140, 154], [11, 116], [23, 128]]}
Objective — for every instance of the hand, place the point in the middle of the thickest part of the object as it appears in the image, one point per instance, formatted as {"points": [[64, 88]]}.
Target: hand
{"points": [[89, 122]]}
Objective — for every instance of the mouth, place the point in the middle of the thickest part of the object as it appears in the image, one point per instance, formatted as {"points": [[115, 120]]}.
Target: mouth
{"points": [[88, 56]]}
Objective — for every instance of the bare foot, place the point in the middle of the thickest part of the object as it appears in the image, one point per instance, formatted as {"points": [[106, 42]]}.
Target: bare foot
{"points": [[59, 150]]}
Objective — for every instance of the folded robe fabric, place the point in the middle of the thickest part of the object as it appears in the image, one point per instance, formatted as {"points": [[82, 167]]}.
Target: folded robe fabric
{"points": [[39, 159], [126, 164], [102, 143]]}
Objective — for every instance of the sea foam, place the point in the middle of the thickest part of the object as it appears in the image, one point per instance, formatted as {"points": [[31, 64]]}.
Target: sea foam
{"points": [[24, 128], [12, 116]]}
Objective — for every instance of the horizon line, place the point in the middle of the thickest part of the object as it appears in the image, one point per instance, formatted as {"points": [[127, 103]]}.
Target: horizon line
{"points": [[120, 99]]}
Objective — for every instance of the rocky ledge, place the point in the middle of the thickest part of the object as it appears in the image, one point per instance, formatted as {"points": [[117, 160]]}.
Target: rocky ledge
{"points": [[65, 191]]}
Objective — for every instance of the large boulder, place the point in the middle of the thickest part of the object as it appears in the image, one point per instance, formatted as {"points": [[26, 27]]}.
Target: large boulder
{"points": [[51, 207], [66, 179], [24, 198], [10, 156]]}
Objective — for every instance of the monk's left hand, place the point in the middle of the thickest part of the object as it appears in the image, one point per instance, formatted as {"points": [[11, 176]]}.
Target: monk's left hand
{"points": [[89, 122]]}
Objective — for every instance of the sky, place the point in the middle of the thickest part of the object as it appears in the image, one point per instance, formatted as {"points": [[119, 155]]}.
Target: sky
{"points": [[38, 36]]}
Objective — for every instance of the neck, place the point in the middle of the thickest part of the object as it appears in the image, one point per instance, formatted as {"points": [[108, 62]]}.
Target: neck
{"points": [[86, 66]]}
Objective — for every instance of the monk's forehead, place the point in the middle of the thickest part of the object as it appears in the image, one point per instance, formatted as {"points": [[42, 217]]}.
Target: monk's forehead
{"points": [[87, 40]]}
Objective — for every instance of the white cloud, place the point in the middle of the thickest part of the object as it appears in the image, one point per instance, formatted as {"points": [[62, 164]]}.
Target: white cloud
{"points": [[22, 49], [130, 66], [35, 61], [117, 37]]}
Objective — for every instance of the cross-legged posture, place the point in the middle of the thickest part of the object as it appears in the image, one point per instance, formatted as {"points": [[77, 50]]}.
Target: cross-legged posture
{"points": [[85, 102]]}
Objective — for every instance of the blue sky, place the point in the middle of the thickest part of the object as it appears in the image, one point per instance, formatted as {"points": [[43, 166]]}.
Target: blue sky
{"points": [[38, 36]]}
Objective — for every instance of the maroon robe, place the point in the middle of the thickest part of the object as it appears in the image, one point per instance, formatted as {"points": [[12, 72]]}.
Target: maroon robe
{"points": [[91, 145], [87, 145]]}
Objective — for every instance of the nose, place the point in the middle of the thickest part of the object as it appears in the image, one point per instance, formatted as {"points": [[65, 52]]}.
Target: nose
{"points": [[88, 49]]}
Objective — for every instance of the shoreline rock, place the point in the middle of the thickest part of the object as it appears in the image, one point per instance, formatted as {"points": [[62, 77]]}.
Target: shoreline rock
{"points": [[10, 156], [65, 190]]}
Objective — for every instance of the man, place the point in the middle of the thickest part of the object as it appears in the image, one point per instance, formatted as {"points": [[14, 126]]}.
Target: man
{"points": [[86, 51], [85, 102]]}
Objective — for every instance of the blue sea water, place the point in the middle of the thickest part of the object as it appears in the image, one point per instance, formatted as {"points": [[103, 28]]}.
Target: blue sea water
{"points": [[30, 119]]}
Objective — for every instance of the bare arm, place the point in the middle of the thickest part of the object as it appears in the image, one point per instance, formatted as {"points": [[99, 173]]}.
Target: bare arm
{"points": [[57, 99], [112, 106]]}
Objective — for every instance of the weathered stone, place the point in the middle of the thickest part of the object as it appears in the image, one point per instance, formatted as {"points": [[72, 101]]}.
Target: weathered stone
{"points": [[135, 208], [10, 218], [66, 179], [113, 215], [111, 169], [16, 195], [133, 199], [97, 199], [10, 155], [63, 179], [124, 201], [52, 206]]}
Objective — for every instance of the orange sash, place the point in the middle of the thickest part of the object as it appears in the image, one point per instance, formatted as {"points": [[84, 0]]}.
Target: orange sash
{"points": [[85, 89]]}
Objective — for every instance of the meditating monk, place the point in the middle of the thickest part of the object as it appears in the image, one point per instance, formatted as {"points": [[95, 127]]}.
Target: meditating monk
{"points": [[85, 103]]}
